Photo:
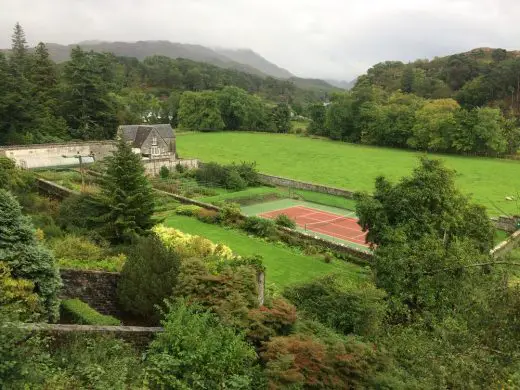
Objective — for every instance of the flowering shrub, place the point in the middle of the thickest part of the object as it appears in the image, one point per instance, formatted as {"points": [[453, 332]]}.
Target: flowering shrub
{"points": [[187, 245]]}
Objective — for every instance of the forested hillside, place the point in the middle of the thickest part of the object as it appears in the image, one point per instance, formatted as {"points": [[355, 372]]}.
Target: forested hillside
{"points": [[90, 95], [466, 103]]}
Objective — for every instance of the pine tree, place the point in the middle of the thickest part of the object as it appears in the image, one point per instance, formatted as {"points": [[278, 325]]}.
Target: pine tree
{"points": [[26, 258], [88, 108], [19, 51], [126, 197]]}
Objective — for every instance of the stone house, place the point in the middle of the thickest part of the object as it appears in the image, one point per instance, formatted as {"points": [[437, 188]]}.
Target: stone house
{"points": [[154, 141]]}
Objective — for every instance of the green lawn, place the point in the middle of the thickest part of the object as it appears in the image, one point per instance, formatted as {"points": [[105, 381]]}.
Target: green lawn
{"points": [[351, 166], [284, 266]]}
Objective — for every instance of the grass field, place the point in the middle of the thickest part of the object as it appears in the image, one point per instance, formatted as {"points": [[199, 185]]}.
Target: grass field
{"points": [[284, 266], [349, 166]]}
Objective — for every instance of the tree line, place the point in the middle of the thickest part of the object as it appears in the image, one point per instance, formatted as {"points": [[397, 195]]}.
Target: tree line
{"points": [[371, 115], [91, 94]]}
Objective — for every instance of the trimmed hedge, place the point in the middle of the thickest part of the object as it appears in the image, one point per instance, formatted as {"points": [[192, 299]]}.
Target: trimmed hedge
{"points": [[82, 313], [188, 209]]}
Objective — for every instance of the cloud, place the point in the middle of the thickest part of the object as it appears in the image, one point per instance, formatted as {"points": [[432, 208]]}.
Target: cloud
{"points": [[326, 38]]}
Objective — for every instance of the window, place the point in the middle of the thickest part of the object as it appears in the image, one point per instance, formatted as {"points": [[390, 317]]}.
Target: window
{"points": [[154, 141], [155, 151]]}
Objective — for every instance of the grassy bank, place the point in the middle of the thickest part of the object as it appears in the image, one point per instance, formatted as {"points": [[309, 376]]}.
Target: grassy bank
{"points": [[349, 166], [284, 266]]}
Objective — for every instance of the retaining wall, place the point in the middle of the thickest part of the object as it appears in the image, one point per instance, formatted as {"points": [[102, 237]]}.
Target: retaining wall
{"points": [[506, 246], [301, 185], [508, 224], [153, 167], [54, 190], [139, 336], [97, 288], [185, 200]]}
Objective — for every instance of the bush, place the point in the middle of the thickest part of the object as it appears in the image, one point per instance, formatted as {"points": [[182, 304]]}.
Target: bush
{"points": [[230, 214], [277, 319], [188, 209], [212, 174], [285, 221], [348, 308], [248, 173], [81, 313], [75, 247], [164, 172], [180, 168], [234, 181], [77, 212], [208, 216], [196, 351], [148, 277], [259, 226]]}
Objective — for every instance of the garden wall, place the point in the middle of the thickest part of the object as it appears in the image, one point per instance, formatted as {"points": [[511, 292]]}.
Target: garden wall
{"points": [[152, 167], [185, 200], [301, 185], [51, 155], [53, 190], [508, 224], [97, 288], [139, 336]]}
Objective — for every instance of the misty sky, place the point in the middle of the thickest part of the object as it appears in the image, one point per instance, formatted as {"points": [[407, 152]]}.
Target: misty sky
{"points": [[311, 38]]}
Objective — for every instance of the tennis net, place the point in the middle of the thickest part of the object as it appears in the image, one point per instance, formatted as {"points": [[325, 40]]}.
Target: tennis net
{"points": [[309, 226]]}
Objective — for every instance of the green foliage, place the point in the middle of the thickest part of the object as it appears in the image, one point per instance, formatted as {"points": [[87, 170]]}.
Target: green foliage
{"points": [[177, 359], [76, 247], [208, 216], [148, 277], [281, 117], [285, 221], [259, 226], [126, 197], [318, 114], [234, 177], [348, 308], [26, 258], [78, 212], [164, 172], [17, 295], [200, 111], [188, 209], [81, 313], [230, 214]]}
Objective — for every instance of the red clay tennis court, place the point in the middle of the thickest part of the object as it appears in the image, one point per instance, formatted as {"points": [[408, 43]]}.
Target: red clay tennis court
{"points": [[323, 222]]}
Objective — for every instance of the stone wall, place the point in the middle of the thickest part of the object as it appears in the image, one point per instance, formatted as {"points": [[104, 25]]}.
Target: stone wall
{"points": [[185, 200], [153, 167], [301, 185], [506, 246], [139, 336], [53, 190], [50, 155], [97, 288], [507, 224]]}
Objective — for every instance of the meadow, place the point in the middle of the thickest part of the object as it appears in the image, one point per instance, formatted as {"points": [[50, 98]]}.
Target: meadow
{"points": [[489, 181], [284, 265]]}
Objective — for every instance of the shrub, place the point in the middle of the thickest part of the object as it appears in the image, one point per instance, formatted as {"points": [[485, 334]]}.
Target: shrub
{"points": [[75, 247], [164, 172], [195, 351], [285, 221], [109, 264], [277, 319], [188, 209], [25, 256], [212, 174], [77, 212], [208, 216], [247, 172], [180, 168], [148, 276], [81, 313], [348, 308], [234, 181], [230, 214], [259, 226]]}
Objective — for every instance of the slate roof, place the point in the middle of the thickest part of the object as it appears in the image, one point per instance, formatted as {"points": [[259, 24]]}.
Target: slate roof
{"points": [[137, 134]]}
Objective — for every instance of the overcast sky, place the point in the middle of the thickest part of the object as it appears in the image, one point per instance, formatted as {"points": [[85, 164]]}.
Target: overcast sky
{"points": [[311, 38]]}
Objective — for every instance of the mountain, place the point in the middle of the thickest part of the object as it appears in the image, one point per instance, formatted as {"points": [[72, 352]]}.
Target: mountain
{"points": [[244, 60], [343, 84], [249, 57]]}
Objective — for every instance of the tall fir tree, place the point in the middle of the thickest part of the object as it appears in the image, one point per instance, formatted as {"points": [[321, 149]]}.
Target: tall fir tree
{"points": [[19, 50], [88, 108], [26, 258], [126, 197]]}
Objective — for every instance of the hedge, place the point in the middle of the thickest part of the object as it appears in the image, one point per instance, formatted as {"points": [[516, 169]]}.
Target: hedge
{"points": [[82, 313]]}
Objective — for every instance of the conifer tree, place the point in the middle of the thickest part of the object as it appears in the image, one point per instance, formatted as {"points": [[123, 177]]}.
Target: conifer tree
{"points": [[126, 197], [26, 258], [19, 51]]}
